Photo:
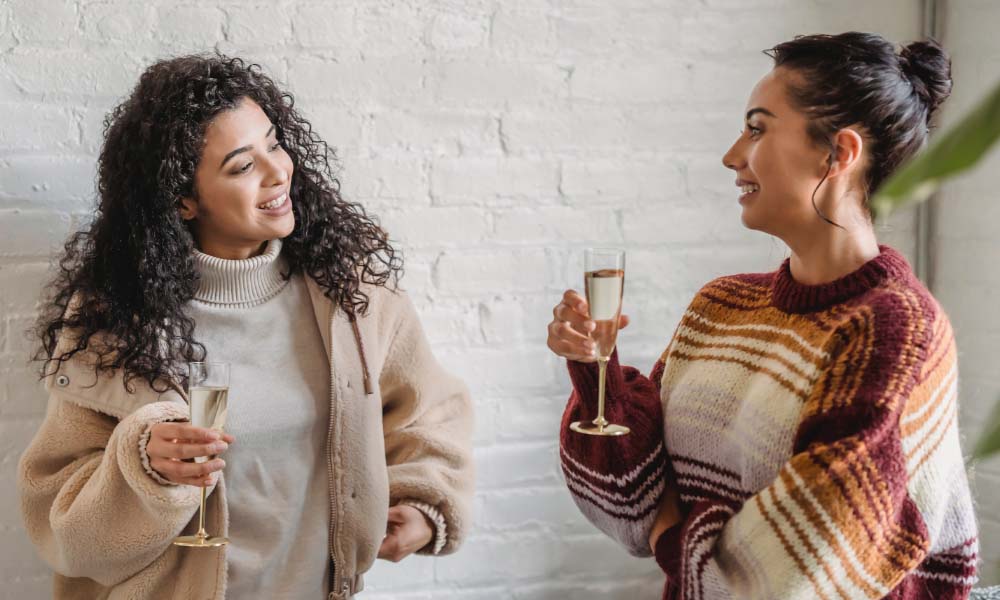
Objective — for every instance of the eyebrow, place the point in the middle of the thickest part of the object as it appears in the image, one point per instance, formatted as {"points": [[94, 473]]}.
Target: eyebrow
{"points": [[242, 149], [764, 111]]}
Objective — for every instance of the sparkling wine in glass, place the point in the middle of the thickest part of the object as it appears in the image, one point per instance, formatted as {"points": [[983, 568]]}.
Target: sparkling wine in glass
{"points": [[208, 394], [604, 281]]}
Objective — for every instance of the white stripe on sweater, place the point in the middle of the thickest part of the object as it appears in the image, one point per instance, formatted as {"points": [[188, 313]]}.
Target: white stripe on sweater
{"points": [[703, 547], [775, 368], [684, 468], [615, 497], [634, 510], [808, 368], [694, 529], [702, 486], [818, 353], [621, 481], [947, 577]]}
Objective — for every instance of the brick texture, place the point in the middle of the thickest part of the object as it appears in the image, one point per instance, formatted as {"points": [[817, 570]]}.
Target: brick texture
{"points": [[496, 140]]}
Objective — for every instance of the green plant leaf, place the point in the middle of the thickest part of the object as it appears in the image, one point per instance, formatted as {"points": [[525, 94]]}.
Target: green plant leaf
{"points": [[989, 442], [948, 154]]}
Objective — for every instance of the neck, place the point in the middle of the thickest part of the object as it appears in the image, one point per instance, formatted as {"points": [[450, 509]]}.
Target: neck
{"points": [[828, 257]]}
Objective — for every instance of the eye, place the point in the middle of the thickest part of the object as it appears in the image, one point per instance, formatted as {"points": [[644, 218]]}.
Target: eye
{"points": [[274, 147], [754, 131], [245, 167]]}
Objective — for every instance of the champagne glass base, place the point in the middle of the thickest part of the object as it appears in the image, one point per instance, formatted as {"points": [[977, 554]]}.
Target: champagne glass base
{"points": [[197, 541], [589, 428]]}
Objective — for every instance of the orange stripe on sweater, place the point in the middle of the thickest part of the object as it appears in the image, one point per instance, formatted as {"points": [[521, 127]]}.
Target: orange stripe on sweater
{"points": [[787, 546], [785, 341], [816, 521], [890, 541], [921, 396]]}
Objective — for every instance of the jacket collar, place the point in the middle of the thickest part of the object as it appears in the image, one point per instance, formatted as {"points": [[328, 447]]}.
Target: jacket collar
{"points": [[329, 316]]}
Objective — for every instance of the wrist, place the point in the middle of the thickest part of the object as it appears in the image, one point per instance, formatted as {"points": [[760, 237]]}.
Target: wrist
{"points": [[435, 521]]}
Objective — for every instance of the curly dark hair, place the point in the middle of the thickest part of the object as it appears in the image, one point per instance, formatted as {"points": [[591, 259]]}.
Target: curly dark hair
{"points": [[857, 78], [123, 281]]}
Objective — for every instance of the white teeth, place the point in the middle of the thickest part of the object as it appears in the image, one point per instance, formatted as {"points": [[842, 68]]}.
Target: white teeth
{"points": [[749, 188], [273, 203]]}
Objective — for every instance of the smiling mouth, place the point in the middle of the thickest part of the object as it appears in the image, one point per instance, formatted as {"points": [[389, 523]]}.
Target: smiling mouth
{"points": [[748, 189], [272, 204]]}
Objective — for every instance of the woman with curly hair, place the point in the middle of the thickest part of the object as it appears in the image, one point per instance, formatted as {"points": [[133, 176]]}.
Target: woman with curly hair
{"points": [[220, 234], [798, 437]]}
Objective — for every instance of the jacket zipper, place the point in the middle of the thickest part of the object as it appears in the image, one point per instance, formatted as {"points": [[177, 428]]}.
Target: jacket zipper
{"points": [[329, 464]]}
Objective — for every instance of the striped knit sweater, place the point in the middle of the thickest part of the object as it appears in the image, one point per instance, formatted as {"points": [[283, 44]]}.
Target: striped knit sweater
{"points": [[811, 433]]}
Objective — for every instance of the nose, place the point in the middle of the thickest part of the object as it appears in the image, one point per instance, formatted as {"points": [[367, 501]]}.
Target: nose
{"points": [[734, 158], [277, 174]]}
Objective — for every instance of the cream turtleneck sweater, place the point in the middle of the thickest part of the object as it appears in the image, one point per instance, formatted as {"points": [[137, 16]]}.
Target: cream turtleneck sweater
{"points": [[248, 315]]}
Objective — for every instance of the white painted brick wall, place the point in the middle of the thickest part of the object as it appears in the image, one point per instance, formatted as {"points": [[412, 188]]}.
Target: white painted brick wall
{"points": [[495, 140]]}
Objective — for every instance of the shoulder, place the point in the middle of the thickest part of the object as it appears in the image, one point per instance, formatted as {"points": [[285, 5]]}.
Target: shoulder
{"points": [[388, 305], [897, 326], [903, 307]]}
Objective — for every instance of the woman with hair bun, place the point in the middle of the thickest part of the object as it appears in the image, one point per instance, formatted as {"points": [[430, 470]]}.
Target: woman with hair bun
{"points": [[798, 437], [220, 234]]}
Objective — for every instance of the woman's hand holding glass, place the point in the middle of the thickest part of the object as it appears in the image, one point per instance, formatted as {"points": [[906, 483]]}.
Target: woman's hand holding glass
{"points": [[569, 331], [173, 446]]}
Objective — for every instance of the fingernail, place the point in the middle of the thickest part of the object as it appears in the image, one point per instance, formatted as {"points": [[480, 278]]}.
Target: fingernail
{"points": [[219, 447], [214, 435], [220, 463]]}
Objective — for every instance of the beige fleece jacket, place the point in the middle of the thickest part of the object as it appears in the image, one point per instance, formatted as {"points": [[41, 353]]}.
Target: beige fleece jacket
{"points": [[105, 525]]}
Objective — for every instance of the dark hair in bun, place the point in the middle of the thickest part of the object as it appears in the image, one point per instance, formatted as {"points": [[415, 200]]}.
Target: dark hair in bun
{"points": [[858, 79], [929, 70]]}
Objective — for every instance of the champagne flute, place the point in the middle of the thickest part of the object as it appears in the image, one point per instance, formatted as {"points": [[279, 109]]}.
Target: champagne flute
{"points": [[208, 392], [604, 280]]}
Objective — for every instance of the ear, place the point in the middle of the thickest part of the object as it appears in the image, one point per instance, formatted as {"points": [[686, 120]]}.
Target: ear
{"points": [[188, 208], [848, 149]]}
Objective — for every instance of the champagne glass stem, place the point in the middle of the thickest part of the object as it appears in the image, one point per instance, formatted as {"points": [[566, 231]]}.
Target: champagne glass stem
{"points": [[602, 370], [201, 515]]}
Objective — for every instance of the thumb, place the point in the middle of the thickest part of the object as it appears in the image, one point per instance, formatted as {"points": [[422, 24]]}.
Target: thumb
{"points": [[396, 515], [389, 545]]}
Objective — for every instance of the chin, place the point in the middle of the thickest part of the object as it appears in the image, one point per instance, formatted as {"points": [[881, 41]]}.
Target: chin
{"points": [[285, 228], [748, 221]]}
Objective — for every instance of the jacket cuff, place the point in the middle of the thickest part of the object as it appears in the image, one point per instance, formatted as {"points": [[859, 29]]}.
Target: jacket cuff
{"points": [[440, 526], [133, 433], [143, 442]]}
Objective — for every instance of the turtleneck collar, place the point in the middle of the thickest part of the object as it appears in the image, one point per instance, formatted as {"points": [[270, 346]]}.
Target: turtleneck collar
{"points": [[794, 297], [240, 283]]}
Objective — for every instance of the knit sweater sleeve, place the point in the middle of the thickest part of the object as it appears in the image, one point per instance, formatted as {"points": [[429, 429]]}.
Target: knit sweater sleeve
{"points": [[842, 518], [616, 481], [427, 426]]}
